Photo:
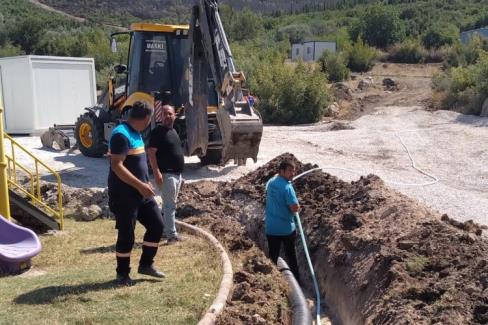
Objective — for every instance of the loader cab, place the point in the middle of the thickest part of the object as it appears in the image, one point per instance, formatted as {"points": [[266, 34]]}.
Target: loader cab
{"points": [[157, 62]]}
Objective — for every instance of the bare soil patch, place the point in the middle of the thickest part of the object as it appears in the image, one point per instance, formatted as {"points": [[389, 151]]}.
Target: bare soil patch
{"points": [[412, 88]]}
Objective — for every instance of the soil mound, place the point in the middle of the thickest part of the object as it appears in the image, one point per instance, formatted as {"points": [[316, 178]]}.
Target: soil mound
{"points": [[380, 257], [259, 294]]}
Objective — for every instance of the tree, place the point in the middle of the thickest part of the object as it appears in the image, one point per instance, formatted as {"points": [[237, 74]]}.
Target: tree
{"points": [[440, 35], [10, 50], [296, 33], [379, 26], [250, 26], [227, 15], [334, 66], [3, 31], [361, 57], [27, 34]]}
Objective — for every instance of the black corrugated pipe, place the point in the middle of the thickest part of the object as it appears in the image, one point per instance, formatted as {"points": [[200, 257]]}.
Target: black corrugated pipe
{"points": [[301, 313]]}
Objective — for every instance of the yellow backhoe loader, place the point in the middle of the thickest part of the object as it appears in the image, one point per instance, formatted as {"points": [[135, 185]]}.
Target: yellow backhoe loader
{"points": [[190, 67]]}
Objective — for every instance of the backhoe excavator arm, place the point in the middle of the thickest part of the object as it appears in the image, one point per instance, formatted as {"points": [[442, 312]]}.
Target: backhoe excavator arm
{"points": [[240, 127]]}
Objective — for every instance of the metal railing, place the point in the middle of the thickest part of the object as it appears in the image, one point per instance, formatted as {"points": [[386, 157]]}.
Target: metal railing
{"points": [[33, 189], [4, 198]]}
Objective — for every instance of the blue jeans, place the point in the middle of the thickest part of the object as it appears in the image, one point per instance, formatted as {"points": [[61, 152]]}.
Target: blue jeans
{"points": [[169, 194]]}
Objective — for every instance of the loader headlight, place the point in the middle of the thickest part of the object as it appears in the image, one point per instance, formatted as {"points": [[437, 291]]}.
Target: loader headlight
{"points": [[181, 32]]}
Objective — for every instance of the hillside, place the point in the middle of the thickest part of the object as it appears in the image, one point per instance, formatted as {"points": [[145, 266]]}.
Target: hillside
{"points": [[156, 9]]}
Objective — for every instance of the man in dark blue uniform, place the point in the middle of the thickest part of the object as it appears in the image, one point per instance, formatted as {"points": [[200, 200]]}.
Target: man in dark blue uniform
{"points": [[131, 195]]}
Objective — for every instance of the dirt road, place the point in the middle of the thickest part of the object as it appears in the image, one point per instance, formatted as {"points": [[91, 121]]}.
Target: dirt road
{"points": [[69, 16]]}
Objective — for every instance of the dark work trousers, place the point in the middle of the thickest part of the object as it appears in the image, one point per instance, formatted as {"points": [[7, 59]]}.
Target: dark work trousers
{"points": [[274, 245], [149, 215]]}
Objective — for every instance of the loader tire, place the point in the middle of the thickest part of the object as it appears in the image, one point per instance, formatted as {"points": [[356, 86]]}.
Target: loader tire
{"points": [[213, 157], [89, 136]]}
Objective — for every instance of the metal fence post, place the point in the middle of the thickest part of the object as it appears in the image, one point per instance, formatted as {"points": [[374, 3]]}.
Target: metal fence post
{"points": [[4, 199]]}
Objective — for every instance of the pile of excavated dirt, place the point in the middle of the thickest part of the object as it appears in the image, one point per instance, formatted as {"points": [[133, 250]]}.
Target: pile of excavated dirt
{"points": [[259, 294], [380, 257], [84, 204]]}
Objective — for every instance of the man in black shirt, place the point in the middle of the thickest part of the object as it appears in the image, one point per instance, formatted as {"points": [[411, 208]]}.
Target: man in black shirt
{"points": [[131, 195], [167, 162]]}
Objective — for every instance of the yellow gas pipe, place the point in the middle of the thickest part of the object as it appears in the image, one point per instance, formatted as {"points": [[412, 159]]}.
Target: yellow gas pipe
{"points": [[4, 200]]}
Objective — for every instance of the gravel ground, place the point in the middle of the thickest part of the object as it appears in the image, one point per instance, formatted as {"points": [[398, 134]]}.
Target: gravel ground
{"points": [[447, 145]]}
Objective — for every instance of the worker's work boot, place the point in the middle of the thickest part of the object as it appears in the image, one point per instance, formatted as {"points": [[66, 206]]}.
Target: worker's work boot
{"points": [[175, 239], [123, 279], [151, 271]]}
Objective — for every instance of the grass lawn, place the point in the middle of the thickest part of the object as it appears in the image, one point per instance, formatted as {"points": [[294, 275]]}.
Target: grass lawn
{"points": [[72, 282]]}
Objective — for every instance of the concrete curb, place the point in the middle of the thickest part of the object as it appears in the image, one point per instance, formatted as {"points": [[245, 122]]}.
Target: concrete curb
{"points": [[225, 285]]}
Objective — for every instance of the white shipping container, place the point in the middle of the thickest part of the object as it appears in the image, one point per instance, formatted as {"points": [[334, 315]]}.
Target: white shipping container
{"points": [[312, 51], [40, 91]]}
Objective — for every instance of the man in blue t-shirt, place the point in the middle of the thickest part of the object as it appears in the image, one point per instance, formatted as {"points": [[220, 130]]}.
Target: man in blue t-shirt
{"points": [[281, 206]]}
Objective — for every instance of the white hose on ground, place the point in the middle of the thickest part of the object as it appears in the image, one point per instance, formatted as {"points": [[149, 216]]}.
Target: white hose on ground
{"points": [[412, 161], [414, 165]]}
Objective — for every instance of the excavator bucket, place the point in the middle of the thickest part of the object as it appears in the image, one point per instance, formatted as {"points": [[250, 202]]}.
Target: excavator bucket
{"points": [[240, 126], [241, 133], [56, 135]]}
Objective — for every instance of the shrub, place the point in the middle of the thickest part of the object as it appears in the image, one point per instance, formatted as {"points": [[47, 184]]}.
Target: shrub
{"points": [[27, 33], [416, 264], [437, 55], [250, 26], [465, 88], [439, 35], [361, 57], [288, 95], [462, 78], [482, 21], [409, 51], [334, 66], [379, 26], [462, 55], [295, 33], [342, 39], [455, 57], [468, 101], [285, 94], [241, 25], [441, 82], [480, 71], [321, 27], [10, 50]]}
